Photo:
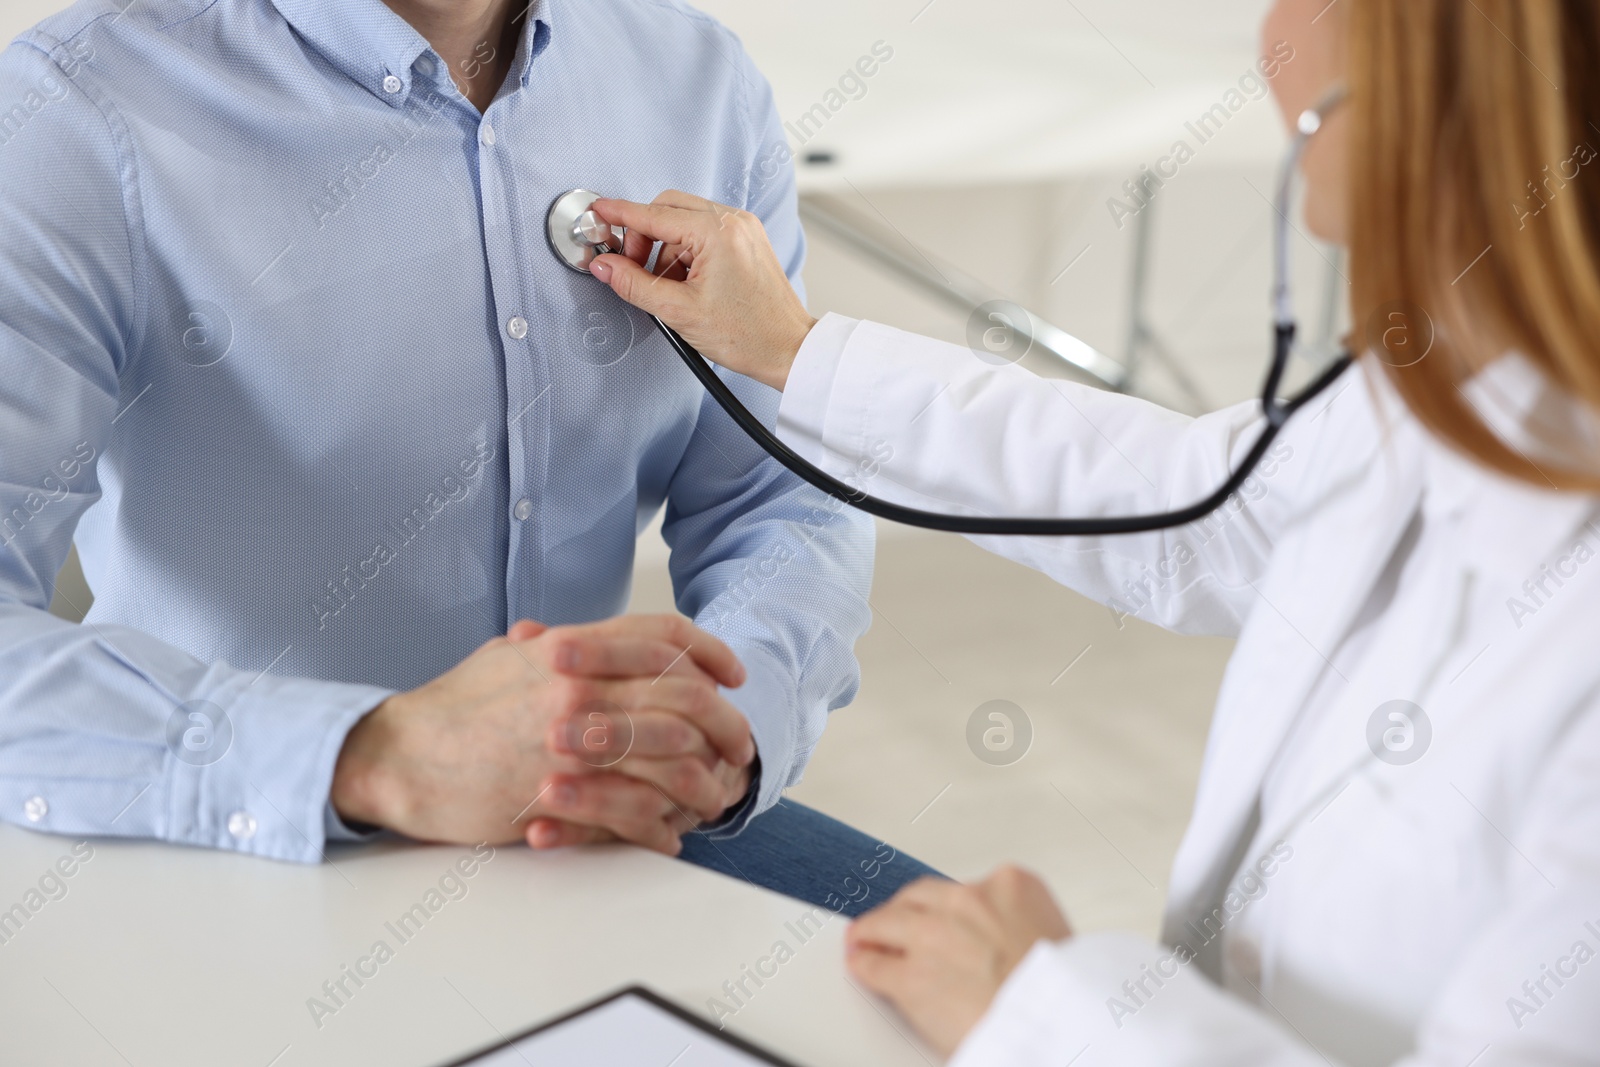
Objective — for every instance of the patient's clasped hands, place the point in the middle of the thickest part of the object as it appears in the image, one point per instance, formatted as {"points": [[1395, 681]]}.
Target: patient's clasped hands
{"points": [[615, 730]]}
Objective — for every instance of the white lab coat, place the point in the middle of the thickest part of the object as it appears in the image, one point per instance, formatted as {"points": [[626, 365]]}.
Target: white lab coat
{"points": [[1334, 907]]}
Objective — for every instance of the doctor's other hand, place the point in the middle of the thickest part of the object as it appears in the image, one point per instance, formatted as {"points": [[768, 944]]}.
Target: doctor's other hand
{"points": [[717, 282], [939, 951], [486, 750]]}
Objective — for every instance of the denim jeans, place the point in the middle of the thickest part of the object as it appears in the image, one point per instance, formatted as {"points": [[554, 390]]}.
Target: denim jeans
{"points": [[802, 853]]}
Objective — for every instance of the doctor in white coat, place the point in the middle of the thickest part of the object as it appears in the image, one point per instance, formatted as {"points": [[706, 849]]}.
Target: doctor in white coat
{"points": [[1395, 850]]}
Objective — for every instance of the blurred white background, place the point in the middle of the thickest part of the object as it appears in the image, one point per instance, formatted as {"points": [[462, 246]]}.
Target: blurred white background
{"points": [[994, 139]]}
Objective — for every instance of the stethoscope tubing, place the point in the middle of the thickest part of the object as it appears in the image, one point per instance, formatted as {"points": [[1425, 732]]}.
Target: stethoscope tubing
{"points": [[1277, 416], [1276, 413]]}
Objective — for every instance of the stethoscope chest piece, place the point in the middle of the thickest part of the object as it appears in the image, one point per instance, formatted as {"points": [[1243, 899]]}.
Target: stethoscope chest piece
{"points": [[577, 234]]}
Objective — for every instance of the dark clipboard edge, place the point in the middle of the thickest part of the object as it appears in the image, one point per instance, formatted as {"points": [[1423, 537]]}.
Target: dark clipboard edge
{"points": [[649, 997]]}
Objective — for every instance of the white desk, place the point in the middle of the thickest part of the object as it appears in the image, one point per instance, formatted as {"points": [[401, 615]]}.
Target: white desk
{"points": [[164, 957]]}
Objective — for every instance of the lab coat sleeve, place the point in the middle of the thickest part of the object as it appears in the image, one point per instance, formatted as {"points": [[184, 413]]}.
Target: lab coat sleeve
{"points": [[1079, 1002], [776, 569], [103, 729], [932, 425], [1523, 991]]}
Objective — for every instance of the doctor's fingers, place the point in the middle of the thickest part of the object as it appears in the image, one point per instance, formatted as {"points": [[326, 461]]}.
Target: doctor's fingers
{"points": [[1023, 903], [677, 219], [687, 201], [659, 222], [637, 246], [672, 262], [942, 901], [884, 973], [677, 257], [670, 300], [898, 928]]}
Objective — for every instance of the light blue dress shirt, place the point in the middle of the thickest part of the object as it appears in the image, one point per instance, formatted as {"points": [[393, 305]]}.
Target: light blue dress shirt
{"points": [[283, 346]]}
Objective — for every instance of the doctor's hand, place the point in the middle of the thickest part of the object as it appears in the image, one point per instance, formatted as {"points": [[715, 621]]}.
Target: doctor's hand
{"points": [[717, 282], [940, 951], [507, 740]]}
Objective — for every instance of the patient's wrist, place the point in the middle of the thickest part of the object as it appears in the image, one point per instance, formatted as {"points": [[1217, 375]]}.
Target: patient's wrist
{"points": [[365, 789]]}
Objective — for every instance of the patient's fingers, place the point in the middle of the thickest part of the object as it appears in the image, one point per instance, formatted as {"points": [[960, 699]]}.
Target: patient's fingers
{"points": [[526, 630], [635, 811], [687, 784], [597, 733], [553, 833], [724, 726], [586, 650], [546, 833], [663, 735], [601, 740], [597, 655]]}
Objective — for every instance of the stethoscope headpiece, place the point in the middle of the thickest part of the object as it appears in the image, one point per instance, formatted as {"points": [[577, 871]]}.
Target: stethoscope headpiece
{"points": [[576, 234]]}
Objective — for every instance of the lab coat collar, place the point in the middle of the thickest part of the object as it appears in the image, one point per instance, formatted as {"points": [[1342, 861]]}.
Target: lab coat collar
{"points": [[369, 43], [1509, 527]]}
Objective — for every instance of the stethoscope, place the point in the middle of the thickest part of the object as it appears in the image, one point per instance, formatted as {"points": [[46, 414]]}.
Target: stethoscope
{"points": [[578, 235]]}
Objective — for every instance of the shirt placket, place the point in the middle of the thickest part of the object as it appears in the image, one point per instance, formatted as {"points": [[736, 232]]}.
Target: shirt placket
{"points": [[526, 373]]}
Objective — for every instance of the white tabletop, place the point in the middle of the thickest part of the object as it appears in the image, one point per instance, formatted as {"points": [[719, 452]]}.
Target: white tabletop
{"points": [[158, 955]]}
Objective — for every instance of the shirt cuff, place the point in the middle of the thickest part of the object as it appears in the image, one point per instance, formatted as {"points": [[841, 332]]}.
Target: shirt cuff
{"points": [[334, 828], [736, 818], [767, 699], [268, 794]]}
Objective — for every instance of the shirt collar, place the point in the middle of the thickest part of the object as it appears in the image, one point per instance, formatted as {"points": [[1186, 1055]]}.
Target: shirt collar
{"points": [[371, 44], [531, 42]]}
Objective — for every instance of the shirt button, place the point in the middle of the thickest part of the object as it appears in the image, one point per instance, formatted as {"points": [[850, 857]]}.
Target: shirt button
{"points": [[391, 84], [486, 134], [517, 327], [242, 825], [425, 64], [523, 509], [35, 808]]}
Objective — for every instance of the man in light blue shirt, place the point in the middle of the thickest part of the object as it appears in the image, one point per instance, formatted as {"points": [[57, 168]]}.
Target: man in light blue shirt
{"points": [[283, 347]]}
